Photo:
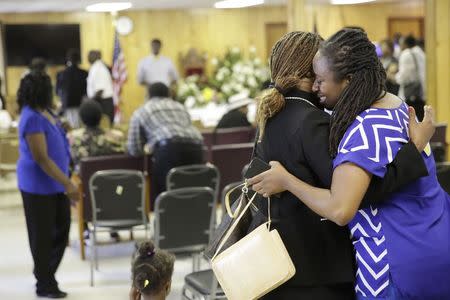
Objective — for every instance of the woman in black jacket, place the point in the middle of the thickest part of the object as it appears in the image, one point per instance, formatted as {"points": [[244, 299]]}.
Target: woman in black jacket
{"points": [[294, 130]]}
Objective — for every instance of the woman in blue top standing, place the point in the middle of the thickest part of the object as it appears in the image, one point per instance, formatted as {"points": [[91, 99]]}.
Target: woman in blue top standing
{"points": [[402, 245], [43, 178]]}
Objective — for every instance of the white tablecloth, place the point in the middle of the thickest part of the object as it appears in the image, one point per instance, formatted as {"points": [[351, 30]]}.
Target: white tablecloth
{"points": [[211, 114]]}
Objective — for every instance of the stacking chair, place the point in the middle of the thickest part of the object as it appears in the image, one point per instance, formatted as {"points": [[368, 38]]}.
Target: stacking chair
{"points": [[201, 285], [118, 203], [182, 219], [90, 165], [201, 175]]}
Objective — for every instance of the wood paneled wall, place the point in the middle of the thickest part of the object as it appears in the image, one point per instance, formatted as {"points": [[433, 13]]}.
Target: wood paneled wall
{"points": [[437, 28], [208, 30], [330, 18], [96, 32]]}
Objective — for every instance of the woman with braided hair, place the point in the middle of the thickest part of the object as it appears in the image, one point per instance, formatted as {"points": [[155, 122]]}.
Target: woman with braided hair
{"points": [[151, 273], [294, 130], [402, 244]]}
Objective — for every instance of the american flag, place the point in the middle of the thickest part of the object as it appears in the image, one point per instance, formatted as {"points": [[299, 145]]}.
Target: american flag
{"points": [[119, 75]]}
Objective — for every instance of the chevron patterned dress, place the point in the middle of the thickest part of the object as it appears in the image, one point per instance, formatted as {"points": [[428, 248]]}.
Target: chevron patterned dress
{"points": [[404, 242]]}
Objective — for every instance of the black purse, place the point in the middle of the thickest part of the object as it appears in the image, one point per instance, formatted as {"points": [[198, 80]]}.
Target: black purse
{"points": [[229, 218], [249, 220]]}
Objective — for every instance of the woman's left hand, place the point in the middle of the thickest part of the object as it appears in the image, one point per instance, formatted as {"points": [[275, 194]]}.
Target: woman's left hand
{"points": [[270, 182]]}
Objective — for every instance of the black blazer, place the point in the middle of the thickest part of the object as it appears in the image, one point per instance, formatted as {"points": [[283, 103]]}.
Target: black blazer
{"points": [[71, 86], [297, 137]]}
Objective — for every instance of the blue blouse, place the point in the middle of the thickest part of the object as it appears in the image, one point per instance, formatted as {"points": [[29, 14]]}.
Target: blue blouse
{"points": [[31, 178], [405, 241]]}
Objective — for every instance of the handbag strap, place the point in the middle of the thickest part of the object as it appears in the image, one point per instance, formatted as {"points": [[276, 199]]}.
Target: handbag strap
{"points": [[234, 225], [227, 199]]}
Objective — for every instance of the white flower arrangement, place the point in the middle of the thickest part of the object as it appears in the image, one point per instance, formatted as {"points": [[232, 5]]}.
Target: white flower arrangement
{"points": [[233, 74]]}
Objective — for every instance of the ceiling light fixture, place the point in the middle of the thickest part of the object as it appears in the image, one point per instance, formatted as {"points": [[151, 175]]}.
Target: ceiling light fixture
{"points": [[344, 2], [237, 3], [108, 6]]}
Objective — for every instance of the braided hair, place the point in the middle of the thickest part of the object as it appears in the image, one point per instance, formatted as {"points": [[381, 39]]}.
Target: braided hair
{"points": [[35, 90], [290, 60], [351, 55], [151, 269]]}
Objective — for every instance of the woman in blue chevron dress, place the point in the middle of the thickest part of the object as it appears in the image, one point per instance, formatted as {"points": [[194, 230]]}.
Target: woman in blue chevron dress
{"points": [[402, 246]]}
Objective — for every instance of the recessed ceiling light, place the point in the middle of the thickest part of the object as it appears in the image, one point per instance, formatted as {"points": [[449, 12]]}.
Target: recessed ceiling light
{"points": [[108, 6], [343, 2], [237, 3]]}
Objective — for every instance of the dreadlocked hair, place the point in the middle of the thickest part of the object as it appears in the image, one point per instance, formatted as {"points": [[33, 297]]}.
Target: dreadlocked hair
{"points": [[351, 55], [35, 90], [151, 269], [290, 60]]}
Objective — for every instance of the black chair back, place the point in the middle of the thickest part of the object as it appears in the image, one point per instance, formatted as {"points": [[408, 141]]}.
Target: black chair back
{"points": [[182, 219], [118, 198], [205, 175], [90, 165]]}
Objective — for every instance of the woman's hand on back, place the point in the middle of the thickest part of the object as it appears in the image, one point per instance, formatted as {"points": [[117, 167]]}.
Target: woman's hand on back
{"points": [[270, 182], [420, 133]]}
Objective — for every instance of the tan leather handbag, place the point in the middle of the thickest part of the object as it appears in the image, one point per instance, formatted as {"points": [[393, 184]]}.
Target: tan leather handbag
{"points": [[255, 265]]}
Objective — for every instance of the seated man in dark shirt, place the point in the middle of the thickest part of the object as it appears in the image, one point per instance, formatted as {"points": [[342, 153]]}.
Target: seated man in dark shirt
{"points": [[237, 110]]}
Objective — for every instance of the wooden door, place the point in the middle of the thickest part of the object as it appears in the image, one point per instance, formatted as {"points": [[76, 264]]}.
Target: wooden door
{"points": [[406, 26], [274, 31]]}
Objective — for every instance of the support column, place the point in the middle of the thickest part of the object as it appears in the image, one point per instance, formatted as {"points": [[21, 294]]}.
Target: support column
{"points": [[437, 47]]}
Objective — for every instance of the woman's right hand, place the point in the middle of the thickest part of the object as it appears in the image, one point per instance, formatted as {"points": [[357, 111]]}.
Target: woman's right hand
{"points": [[420, 133], [71, 191], [134, 294], [270, 182]]}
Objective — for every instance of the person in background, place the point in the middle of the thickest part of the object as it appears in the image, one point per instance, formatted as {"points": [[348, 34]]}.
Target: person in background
{"points": [[100, 84], [5, 117], [151, 273], [71, 87], [156, 68], [2, 98], [236, 115], [411, 70], [396, 41], [387, 53], [43, 180], [91, 140], [390, 64], [165, 127], [421, 44]]}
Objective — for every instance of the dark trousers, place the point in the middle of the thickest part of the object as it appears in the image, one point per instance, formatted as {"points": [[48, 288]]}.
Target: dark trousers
{"points": [[165, 157], [48, 225], [344, 291], [107, 105]]}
